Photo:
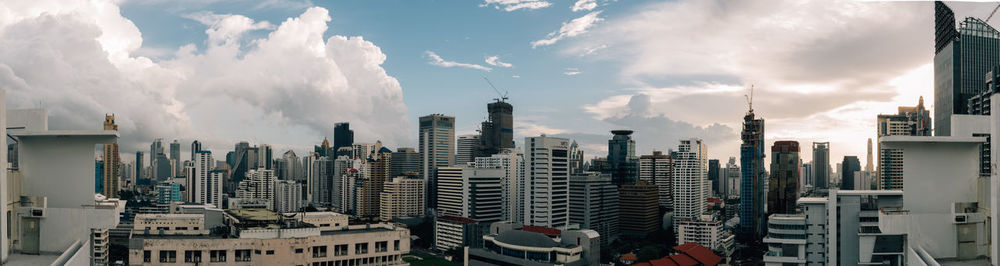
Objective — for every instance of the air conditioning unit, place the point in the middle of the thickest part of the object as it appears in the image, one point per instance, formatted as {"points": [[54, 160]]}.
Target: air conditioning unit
{"points": [[36, 212], [961, 218]]}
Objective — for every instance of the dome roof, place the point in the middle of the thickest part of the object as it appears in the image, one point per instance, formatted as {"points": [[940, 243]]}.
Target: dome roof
{"points": [[526, 239]]}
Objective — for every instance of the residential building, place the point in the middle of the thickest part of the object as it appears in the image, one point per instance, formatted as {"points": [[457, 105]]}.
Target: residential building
{"points": [[593, 204], [783, 186], [287, 196], [752, 213], [707, 231], [402, 197], [546, 188], [405, 162], [259, 184], [466, 149], [909, 121], [638, 209], [200, 187], [168, 192], [690, 179], [962, 58], [111, 172], [658, 169], [437, 149]]}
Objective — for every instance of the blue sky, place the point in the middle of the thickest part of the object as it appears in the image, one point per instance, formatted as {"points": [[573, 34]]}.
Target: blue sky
{"points": [[283, 72]]}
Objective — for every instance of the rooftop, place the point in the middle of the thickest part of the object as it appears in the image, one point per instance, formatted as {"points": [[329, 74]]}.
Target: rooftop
{"points": [[929, 139], [257, 215]]}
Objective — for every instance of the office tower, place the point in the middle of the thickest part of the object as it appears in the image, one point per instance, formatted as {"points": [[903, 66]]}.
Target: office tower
{"points": [[593, 204], [962, 58], [402, 197], [111, 175], [351, 182], [713, 176], [175, 157], [466, 149], [658, 169], [751, 228], [848, 170], [324, 149], [320, 180], [512, 188], [292, 168], [690, 178], [622, 162], [287, 196], [405, 162], [138, 166], [576, 161], [239, 164], [783, 186], [163, 167], [470, 192], [638, 208], [202, 186], [378, 174], [437, 149], [265, 157], [821, 165], [168, 192], [496, 133], [546, 181], [155, 151], [908, 121], [195, 148], [259, 185], [869, 166], [732, 176], [343, 136]]}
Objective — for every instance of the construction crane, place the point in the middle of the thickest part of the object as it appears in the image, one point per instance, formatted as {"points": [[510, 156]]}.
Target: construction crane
{"points": [[992, 13], [503, 96], [750, 98]]}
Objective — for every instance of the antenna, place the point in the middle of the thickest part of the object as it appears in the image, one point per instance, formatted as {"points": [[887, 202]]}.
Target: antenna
{"points": [[503, 96], [750, 98]]}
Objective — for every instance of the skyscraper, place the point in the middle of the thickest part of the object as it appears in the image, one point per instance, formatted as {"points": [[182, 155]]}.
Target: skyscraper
{"points": [[658, 169], [240, 164], [908, 121], [195, 148], [849, 167], [292, 166], [511, 161], [546, 181], [497, 132], [466, 149], [377, 167], [139, 169], [155, 152], [962, 58], [594, 204], [343, 136], [200, 185], [175, 157], [622, 162], [405, 162], [265, 157], [713, 175], [752, 226], [690, 177], [259, 185], [437, 149], [470, 192], [110, 172], [287, 196], [821, 165], [869, 166], [783, 186], [638, 209], [402, 197]]}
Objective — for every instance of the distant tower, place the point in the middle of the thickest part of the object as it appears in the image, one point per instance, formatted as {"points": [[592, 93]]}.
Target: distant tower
{"points": [[848, 168], [783, 186], [868, 165], [466, 149], [175, 157], [343, 136], [195, 148], [497, 133], [908, 121], [622, 162], [437, 149], [111, 161], [752, 226], [821, 165]]}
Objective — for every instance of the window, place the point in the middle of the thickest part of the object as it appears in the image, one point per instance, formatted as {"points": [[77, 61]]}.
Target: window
{"points": [[217, 256], [298, 251], [242, 255], [382, 246], [340, 250], [319, 252], [196, 228], [181, 228], [168, 256], [395, 244], [147, 256], [192, 256], [269, 252], [256, 251], [361, 248]]}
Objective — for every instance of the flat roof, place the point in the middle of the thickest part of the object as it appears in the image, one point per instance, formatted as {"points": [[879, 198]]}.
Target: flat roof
{"points": [[870, 192], [254, 214], [928, 139], [812, 200]]}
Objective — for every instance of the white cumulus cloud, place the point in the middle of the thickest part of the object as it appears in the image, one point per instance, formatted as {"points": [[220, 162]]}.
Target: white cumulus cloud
{"points": [[495, 61], [438, 61], [584, 5], [571, 71], [511, 5], [572, 28]]}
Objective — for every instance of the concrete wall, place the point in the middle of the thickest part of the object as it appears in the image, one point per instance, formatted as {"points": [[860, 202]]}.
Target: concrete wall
{"points": [[60, 167], [62, 226], [27, 119]]}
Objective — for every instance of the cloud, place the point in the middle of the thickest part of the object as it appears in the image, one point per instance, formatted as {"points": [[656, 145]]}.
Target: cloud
{"points": [[78, 58], [516, 76], [437, 61], [226, 27], [511, 5], [495, 61], [584, 5], [572, 28], [571, 71]]}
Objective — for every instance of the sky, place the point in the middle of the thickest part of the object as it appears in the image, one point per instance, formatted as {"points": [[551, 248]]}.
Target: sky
{"points": [[282, 72]]}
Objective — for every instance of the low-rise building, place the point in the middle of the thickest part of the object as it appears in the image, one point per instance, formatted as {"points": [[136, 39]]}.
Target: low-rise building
{"points": [[514, 244], [170, 224], [786, 239], [706, 230]]}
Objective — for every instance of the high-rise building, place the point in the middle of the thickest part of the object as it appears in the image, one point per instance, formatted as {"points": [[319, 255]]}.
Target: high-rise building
{"points": [[752, 213], [111, 175], [908, 121], [203, 163], [168, 192], [175, 157], [259, 185], [962, 58], [713, 176], [402, 197], [848, 169], [731, 174], [470, 192], [437, 149], [821, 165], [707, 231], [405, 162], [377, 167], [291, 166], [265, 157], [139, 169], [240, 164], [593, 204], [869, 166], [690, 179], [466, 149], [658, 169], [638, 208], [546, 186], [320, 180], [195, 148], [512, 182], [155, 152], [576, 161], [783, 186], [622, 162], [343, 136], [287, 196], [496, 133]]}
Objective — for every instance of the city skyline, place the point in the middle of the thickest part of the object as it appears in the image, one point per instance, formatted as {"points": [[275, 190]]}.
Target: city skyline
{"points": [[175, 74]]}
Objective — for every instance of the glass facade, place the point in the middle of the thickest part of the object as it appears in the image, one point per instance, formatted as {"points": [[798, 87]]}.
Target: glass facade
{"points": [[752, 225], [962, 58]]}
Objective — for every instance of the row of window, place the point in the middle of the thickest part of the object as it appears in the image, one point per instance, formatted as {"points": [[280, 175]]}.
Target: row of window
{"points": [[195, 256]]}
